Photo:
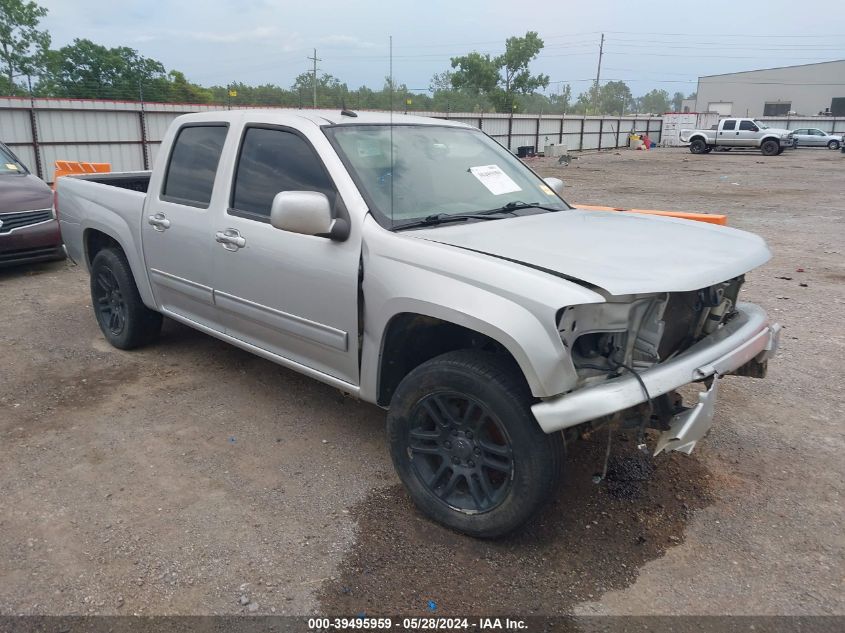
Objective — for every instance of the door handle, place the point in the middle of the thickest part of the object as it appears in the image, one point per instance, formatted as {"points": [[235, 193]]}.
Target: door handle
{"points": [[159, 222], [230, 239]]}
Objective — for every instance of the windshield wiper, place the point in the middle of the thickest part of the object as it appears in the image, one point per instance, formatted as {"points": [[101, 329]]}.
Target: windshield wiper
{"points": [[442, 218], [517, 206]]}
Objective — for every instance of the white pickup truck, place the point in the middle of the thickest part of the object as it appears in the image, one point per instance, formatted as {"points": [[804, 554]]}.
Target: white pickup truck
{"points": [[736, 133], [422, 267]]}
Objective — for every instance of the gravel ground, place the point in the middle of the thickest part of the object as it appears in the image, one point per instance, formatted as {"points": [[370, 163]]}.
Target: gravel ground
{"points": [[191, 477]]}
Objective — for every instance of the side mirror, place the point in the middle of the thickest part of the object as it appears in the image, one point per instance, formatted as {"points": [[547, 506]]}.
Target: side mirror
{"points": [[307, 213], [555, 184]]}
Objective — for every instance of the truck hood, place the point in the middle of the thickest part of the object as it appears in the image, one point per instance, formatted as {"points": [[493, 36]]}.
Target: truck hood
{"points": [[24, 192], [623, 253]]}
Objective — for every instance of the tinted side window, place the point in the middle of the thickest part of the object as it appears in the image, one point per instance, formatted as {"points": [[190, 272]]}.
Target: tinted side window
{"points": [[193, 164], [729, 125], [747, 125], [272, 161]]}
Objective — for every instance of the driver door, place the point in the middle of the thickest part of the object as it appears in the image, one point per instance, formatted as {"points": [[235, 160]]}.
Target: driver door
{"points": [[291, 295], [748, 131]]}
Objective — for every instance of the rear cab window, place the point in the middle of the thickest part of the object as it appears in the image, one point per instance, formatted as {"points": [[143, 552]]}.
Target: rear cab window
{"points": [[272, 160], [729, 124], [192, 166]]}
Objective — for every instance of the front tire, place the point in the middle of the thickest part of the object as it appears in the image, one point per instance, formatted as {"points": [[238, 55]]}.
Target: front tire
{"points": [[121, 314], [466, 446], [770, 148], [833, 145]]}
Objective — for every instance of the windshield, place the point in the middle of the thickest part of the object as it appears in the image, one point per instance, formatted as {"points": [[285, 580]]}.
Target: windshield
{"points": [[9, 164], [762, 126], [434, 170]]}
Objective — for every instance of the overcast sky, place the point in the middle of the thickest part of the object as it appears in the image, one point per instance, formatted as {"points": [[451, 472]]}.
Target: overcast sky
{"points": [[649, 45]]}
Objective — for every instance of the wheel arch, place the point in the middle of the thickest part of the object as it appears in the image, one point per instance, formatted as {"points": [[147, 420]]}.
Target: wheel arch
{"points": [[411, 338], [95, 238]]}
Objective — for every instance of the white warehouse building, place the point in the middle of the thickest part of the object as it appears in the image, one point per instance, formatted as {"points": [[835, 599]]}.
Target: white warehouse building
{"points": [[805, 90]]}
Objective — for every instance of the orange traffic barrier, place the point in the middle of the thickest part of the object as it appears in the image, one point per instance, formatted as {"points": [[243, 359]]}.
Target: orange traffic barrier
{"points": [[68, 167], [710, 218]]}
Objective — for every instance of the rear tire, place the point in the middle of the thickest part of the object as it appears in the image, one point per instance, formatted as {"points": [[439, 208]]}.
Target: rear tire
{"points": [[770, 147], [698, 146], [121, 314], [466, 446], [833, 145]]}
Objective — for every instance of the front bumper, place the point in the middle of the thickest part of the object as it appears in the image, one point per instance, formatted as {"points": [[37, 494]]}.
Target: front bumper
{"points": [[747, 336], [32, 243]]}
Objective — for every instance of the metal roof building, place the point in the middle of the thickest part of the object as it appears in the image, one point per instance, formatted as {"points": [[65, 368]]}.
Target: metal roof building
{"points": [[808, 89]]}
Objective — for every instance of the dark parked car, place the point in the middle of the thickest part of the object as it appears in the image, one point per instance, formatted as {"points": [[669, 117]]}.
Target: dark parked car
{"points": [[29, 231]]}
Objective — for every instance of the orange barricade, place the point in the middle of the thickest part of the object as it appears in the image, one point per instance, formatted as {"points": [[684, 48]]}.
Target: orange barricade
{"points": [[68, 167], [710, 218]]}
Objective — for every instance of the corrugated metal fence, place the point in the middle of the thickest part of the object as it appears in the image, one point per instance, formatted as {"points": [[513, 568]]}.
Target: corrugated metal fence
{"points": [[829, 124], [127, 134]]}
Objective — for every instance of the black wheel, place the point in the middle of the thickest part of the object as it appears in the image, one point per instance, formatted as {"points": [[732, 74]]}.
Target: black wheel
{"points": [[708, 150], [780, 150], [698, 146], [770, 147], [466, 446], [833, 145], [123, 318]]}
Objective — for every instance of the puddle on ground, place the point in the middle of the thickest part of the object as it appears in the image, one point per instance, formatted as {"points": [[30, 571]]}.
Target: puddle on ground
{"points": [[591, 539]]}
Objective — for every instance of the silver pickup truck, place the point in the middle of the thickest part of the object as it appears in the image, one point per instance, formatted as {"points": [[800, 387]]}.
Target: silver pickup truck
{"points": [[420, 266], [738, 133]]}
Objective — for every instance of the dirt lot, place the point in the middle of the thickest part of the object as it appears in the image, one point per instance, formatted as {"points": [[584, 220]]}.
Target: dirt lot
{"points": [[190, 477]]}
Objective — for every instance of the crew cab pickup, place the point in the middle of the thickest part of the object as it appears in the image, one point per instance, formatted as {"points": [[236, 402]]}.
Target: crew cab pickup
{"points": [[420, 266], [732, 133]]}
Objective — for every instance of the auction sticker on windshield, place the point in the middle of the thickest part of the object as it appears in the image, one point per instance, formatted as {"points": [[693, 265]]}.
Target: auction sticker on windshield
{"points": [[496, 181]]}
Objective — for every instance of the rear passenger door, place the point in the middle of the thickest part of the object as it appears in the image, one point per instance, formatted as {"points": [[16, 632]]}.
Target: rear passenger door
{"points": [[294, 296], [817, 137], [177, 234], [727, 133]]}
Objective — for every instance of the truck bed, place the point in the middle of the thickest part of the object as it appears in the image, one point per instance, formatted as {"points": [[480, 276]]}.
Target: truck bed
{"points": [[109, 203], [132, 180]]}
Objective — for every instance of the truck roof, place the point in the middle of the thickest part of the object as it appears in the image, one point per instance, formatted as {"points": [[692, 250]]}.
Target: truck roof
{"points": [[317, 117]]}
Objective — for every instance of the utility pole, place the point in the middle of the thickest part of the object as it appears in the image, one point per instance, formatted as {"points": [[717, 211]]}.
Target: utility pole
{"points": [[598, 76], [314, 59]]}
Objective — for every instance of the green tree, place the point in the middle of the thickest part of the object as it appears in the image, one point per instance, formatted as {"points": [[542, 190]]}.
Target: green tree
{"points": [[560, 101], [614, 97], [178, 89], [331, 92], [22, 45], [677, 101], [503, 77], [654, 102], [88, 70]]}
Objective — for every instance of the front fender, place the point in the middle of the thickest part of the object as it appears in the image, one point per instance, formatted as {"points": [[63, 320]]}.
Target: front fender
{"points": [[506, 301]]}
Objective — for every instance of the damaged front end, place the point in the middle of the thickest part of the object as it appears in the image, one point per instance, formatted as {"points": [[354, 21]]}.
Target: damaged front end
{"points": [[636, 350]]}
